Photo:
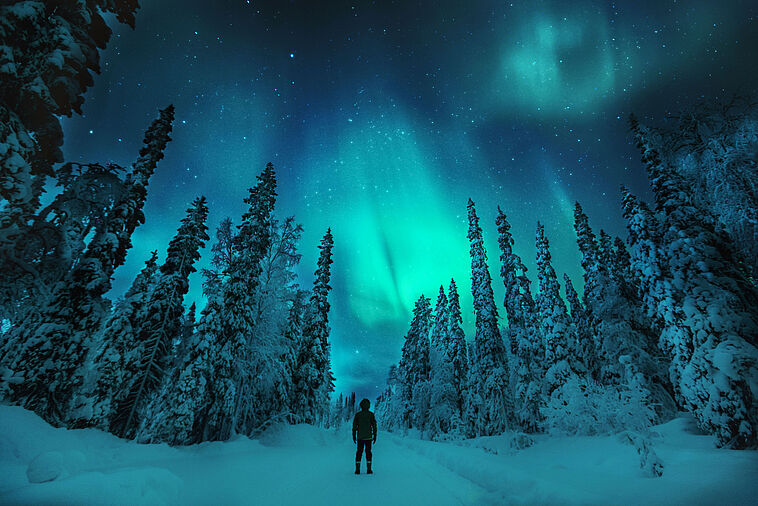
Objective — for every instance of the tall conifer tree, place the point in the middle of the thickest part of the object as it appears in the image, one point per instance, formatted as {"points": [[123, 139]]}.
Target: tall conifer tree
{"points": [[414, 368], [233, 384], [491, 408], [315, 382], [57, 337], [710, 328], [162, 320]]}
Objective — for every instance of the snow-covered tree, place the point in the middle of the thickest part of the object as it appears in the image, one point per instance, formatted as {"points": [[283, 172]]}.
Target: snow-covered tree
{"points": [[525, 341], [444, 400], [273, 344], [556, 327], [625, 336], [389, 407], [222, 256], [458, 347], [712, 145], [56, 338], [314, 382], [181, 345], [178, 414], [490, 396], [519, 304], [236, 368], [583, 355], [54, 238], [48, 54], [161, 324], [293, 341], [414, 367], [706, 306], [115, 347]]}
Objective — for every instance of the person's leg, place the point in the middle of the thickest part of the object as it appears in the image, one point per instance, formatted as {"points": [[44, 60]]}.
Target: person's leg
{"points": [[358, 456], [368, 457]]}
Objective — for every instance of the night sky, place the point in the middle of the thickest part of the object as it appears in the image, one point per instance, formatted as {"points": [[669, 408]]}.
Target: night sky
{"points": [[382, 119]]}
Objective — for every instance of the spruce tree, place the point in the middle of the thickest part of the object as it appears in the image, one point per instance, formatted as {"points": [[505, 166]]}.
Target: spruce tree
{"points": [[626, 338], [439, 333], [53, 240], [526, 347], [443, 397], [491, 405], [50, 51], [293, 337], [57, 337], [583, 355], [115, 347], [315, 382], [459, 358], [161, 324], [710, 329], [519, 304], [181, 346], [178, 414], [555, 324], [414, 367], [233, 384]]}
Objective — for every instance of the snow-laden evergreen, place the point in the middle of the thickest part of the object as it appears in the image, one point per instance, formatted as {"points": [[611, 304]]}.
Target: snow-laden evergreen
{"points": [[458, 350], [314, 382], [626, 338], [182, 343], [115, 349], [556, 327], [583, 355], [527, 349], [236, 372], [160, 325], [55, 338], [178, 413], [55, 236], [414, 368], [48, 56], [444, 419], [490, 405], [706, 305], [711, 145]]}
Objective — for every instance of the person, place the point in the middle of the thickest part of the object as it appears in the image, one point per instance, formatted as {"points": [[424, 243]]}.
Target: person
{"points": [[364, 433]]}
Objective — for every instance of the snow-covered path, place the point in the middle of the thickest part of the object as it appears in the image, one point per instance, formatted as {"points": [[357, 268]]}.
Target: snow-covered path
{"points": [[307, 465], [294, 465], [323, 475]]}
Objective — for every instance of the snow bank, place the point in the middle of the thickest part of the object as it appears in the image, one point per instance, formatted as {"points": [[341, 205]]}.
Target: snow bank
{"points": [[603, 469]]}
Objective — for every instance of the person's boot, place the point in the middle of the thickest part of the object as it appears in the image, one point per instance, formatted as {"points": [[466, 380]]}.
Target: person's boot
{"points": [[368, 468], [358, 468]]}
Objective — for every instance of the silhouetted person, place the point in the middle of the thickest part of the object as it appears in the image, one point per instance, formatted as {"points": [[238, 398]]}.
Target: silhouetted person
{"points": [[364, 433]]}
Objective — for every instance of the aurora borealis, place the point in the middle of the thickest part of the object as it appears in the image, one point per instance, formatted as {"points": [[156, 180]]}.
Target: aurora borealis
{"points": [[383, 118]]}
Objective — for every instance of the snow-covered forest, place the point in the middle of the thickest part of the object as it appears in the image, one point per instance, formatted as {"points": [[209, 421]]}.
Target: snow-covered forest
{"points": [[653, 355], [668, 319], [143, 366]]}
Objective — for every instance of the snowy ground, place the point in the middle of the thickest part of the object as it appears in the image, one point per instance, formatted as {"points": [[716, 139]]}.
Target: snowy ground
{"points": [[306, 465]]}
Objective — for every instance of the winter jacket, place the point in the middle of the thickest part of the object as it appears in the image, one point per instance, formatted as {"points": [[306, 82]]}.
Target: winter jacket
{"points": [[364, 425]]}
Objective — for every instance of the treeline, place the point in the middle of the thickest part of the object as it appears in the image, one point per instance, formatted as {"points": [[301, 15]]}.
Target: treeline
{"points": [[140, 367], [668, 319]]}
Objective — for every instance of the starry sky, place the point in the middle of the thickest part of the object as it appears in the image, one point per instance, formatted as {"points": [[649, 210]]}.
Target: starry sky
{"points": [[383, 117]]}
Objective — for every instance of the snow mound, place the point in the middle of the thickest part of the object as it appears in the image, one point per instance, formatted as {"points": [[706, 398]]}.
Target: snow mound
{"points": [[146, 485], [49, 466]]}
